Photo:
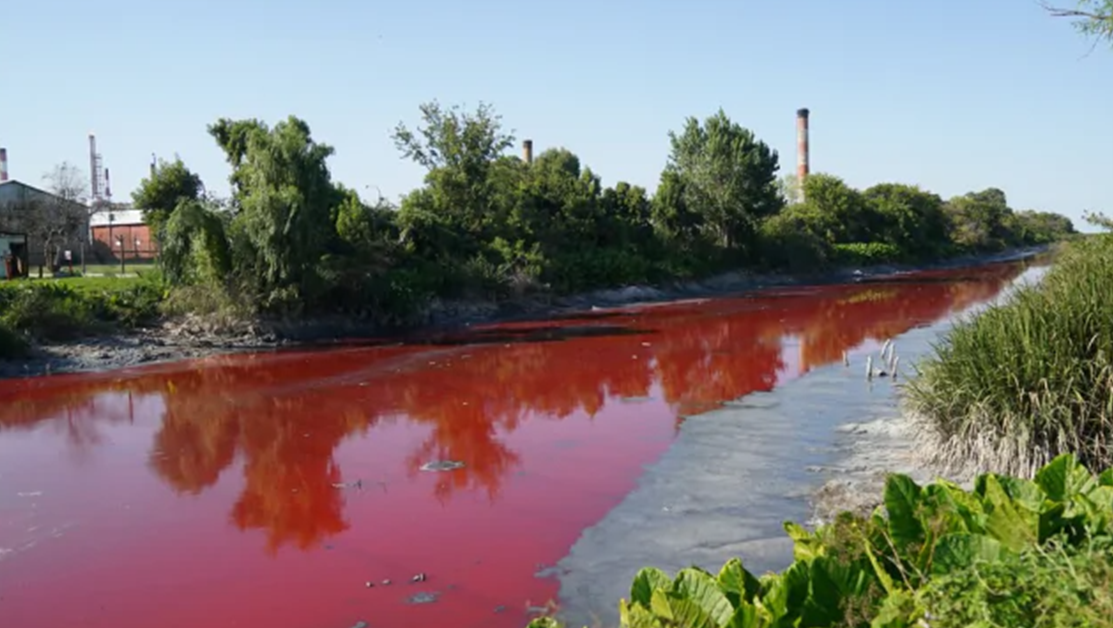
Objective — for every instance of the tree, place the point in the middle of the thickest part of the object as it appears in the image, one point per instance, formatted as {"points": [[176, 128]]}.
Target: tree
{"points": [[464, 204], [1092, 18], [729, 176], [285, 200], [790, 188], [52, 220], [170, 185], [911, 218]]}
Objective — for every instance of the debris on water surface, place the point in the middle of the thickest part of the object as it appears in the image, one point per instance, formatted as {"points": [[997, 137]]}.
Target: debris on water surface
{"points": [[361, 624], [355, 484], [386, 582], [30, 494], [418, 578], [370, 584], [425, 597], [500, 608], [442, 465]]}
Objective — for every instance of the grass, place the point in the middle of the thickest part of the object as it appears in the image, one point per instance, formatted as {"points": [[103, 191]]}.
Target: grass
{"points": [[1011, 389], [65, 309]]}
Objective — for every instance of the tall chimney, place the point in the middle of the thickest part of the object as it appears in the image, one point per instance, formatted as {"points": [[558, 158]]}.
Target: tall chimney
{"points": [[94, 188], [527, 151], [3, 165], [802, 163], [154, 160], [107, 186]]}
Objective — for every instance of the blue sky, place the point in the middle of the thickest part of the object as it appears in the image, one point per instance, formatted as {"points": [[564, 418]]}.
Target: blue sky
{"points": [[954, 95]]}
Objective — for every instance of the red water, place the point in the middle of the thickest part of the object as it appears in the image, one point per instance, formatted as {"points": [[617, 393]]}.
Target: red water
{"points": [[201, 494]]}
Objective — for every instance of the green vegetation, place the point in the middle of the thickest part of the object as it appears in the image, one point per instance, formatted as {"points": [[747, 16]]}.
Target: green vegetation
{"points": [[1011, 552], [64, 309], [292, 242], [1021, 383]]}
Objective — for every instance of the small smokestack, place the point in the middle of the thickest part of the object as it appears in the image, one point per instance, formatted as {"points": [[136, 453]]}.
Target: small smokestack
{"points": [[107, 186], [93, 167], [527, 151], [3, 165], [802, 158], [154, 160]]}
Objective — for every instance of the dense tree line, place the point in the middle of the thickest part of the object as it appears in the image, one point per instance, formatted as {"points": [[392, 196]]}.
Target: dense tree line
{"points": [[487, 224]]}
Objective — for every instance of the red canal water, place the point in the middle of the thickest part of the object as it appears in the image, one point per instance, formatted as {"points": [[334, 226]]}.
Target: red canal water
{"points": [[213, 493]]}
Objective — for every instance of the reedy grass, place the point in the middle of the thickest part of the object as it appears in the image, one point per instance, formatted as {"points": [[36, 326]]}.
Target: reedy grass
{"points": [[1009, 390]]}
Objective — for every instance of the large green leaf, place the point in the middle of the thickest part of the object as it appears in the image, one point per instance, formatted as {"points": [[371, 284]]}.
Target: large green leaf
{"points": [[645, 582], [1106, 478], [784, 595], [899, 610], [637, 616], [805, 545], [902, 499], [739, 585], [1064, 478], [958, 551], [700, 588], [832, 582], [1014, 525], [677, 609]]}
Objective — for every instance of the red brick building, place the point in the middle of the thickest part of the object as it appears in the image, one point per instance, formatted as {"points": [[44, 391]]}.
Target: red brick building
{"points": [[121, 231]]}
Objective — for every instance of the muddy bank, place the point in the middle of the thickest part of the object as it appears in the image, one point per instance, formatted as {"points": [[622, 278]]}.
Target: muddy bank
{"points": [[876, 446], [183, 339]]}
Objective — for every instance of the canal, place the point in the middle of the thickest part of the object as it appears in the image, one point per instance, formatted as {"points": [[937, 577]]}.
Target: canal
{"points": [[463, 480]]}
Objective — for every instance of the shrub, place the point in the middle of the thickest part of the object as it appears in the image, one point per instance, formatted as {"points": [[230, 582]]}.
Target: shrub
{"points": [[1025, 381], [888, 570], [866, 253], [12, 343]]}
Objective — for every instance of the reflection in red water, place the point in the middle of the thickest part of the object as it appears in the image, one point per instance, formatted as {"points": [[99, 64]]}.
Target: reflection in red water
{"points": [[552, 435]]}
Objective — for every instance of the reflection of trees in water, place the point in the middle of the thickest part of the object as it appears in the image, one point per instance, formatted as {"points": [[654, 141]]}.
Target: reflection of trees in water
{"points": [[285, 414]]}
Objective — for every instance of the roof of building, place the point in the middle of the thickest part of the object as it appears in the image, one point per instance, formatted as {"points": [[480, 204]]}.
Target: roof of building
{"points": [[118, 216], [31, 188]]}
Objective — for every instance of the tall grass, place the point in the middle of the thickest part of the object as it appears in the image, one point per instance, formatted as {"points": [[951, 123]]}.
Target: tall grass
{"points": [[1009, 390]]}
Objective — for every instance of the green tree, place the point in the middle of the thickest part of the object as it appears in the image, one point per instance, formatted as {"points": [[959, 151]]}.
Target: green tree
{"points": [[846, 216], [979, 220], [1093, 18], [285, 200], [729, 178], [911, 218], [459, 150], [158, 195]]}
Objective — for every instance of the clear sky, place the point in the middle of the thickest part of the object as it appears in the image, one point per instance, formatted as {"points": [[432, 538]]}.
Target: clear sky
{"points": [[954, 95]]}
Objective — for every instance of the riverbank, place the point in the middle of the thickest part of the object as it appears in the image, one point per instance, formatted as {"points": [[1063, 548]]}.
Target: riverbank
{"points": [[875, 446], [186, 338]]}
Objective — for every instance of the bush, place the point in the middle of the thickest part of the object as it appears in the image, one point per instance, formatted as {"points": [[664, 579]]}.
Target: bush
{"points": [[866, 253], [59, 310], [923, 554], [12, 344], [1023, 382]]}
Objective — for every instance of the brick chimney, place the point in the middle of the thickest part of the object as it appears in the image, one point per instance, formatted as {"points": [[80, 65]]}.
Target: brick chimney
{"points": [[3, 165], [802, 158], [527, 151]]}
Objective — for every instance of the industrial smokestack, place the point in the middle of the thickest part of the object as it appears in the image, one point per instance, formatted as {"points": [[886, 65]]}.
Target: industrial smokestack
{"points": [[107, 186], [527, 151], [3, 165], [802, 162], [94, 188], [154, 161]]}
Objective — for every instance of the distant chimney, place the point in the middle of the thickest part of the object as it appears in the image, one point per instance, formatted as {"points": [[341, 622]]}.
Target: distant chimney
{"points": [[93, 169], [527, 151], [154, 160], [3, 164], [802, 162]]}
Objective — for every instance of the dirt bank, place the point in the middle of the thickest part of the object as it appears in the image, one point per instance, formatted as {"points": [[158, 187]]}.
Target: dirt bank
{"points": [[184, 339]]}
